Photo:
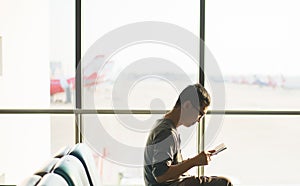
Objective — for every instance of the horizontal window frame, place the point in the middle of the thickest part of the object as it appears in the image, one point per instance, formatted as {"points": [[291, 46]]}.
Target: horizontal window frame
{"points": [[142, 111]]}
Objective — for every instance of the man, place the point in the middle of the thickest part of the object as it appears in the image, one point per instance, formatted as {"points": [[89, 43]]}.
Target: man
{"points": [[163, 164]]}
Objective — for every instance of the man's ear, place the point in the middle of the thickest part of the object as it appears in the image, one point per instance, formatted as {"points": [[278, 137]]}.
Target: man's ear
{"points": [[187, 104]]}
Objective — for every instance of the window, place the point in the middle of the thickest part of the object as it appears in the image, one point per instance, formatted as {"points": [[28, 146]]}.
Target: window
{"points": [[35, 36], [258, 150], [28, 140], [134, 63], [133, 67], [254, 43], [119, 145]]}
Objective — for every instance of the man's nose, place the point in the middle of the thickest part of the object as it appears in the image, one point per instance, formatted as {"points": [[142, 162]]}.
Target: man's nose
{"points": [[199, 118]]}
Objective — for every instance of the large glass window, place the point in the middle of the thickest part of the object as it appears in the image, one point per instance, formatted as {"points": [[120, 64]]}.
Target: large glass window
{"points": [[261, 150], [119, 145], [37, 54], [121, 61], [25, 48], [36, 58], [255, 43], [28, 141], [127, 64]]}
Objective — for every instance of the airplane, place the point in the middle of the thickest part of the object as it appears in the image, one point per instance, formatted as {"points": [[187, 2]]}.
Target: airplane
{"points": [[56, 86], [91, 80], [91, 77]]}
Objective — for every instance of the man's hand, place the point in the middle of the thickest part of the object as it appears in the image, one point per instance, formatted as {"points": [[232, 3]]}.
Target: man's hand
{"points": [[175, 171], [202, 159]]}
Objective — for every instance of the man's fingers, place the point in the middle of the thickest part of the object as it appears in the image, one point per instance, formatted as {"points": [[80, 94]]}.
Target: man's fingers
{"points": [[212, 151]]}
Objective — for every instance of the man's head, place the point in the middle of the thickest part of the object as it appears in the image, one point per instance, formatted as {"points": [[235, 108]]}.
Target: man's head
{"points": [[193, 102]]}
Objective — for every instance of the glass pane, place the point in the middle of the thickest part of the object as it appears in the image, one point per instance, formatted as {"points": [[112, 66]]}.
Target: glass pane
{"points": [[138, 62], [255, 43], [262, 150], [27, 142], [119, 142], [62, 131], [24, 51], [36, 36]]}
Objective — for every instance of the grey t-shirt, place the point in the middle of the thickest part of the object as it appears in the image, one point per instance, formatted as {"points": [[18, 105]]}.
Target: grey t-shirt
{"points": [[162, 150]]}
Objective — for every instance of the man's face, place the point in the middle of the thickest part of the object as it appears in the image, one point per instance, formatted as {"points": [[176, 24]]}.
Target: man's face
{"points": [[194, 114], [201, 112]]}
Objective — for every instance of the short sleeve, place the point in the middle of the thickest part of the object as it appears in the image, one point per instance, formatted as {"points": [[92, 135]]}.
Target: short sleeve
{"points": [[163, 153], [160, 168]]}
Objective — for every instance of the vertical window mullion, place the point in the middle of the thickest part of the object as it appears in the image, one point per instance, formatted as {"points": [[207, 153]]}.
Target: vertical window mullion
{"points": [[78, 102]]}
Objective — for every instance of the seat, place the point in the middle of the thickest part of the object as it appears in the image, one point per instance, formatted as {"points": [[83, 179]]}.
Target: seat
{"points": [[61, 152], [71, 169], [52, 179], [31, 181], [47, 167], [84, 154]]}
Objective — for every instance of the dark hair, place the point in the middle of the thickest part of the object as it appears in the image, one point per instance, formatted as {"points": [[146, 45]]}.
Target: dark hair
{"points": [[196, 93]]}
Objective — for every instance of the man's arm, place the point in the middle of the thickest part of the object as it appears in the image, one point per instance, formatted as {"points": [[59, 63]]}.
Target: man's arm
{"points": [[174, 171]]}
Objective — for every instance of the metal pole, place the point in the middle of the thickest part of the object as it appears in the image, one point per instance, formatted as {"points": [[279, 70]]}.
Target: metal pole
{"points": [[78, 100], [201, 126]]}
